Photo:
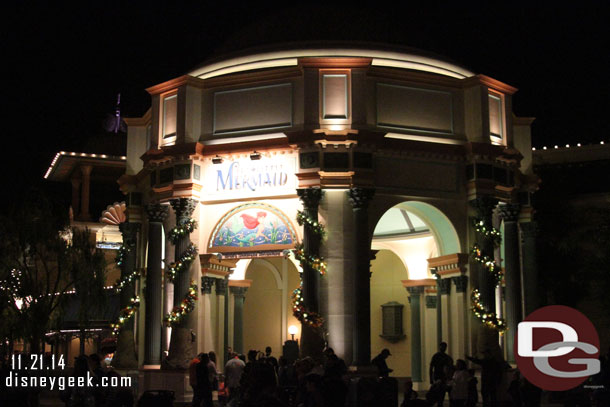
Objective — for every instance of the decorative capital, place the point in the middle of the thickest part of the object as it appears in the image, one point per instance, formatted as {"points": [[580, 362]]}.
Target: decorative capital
{"points": [[461, 283], [360, 197], [238, 291], [310, 197], [444, 285], [484, 206], [206, 284], [415, 290], [130, 233], [221, 286], [183, 207], [430, 301], [509, 212], [157, 212]]}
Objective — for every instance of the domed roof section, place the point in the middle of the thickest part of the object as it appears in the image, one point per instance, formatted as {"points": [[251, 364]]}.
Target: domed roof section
{"points": [[288, 54]]}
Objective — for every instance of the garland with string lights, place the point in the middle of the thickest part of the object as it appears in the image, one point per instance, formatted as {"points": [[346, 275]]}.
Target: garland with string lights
{"points": [[125, 314], [486, 317], [315, 262], [490, 319], [183, 263], [187, 305], [121, 253], [122, 282], [181, 230], [317, 227], [134, 302]]}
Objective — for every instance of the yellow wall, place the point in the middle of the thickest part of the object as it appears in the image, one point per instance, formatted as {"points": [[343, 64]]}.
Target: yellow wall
{"points": [[263, 307], [388, 271]]}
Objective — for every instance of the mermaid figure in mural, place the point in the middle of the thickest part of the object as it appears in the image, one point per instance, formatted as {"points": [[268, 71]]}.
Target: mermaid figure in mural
{"points": [[255, 222]]}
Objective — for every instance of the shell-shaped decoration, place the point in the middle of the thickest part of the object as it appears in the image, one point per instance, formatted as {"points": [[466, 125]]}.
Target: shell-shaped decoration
{"points": [[114, 214]]}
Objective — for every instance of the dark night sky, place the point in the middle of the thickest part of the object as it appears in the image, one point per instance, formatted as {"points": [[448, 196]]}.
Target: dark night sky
{"points": [[66, 65]]}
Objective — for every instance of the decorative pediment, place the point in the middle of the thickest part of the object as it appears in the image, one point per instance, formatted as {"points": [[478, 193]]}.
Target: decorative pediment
{"points": [[252, 227]]}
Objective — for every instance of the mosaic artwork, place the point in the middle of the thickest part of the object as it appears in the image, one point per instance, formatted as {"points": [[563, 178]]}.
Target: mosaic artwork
{"points": [[253, 227]]}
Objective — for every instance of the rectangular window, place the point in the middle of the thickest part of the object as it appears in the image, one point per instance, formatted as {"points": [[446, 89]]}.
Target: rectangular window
{"points": [[496, 119], [170, 110]]}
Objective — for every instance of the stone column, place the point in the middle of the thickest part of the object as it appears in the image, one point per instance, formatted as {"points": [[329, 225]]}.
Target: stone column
{"points": [[205, 340], [85, 191], [312, 343], [415, 294], [181, 349], [222, 302], [430, 336], [76, 181], [529, 278], [239, 295], [509, 214], [360, 198], [125, 355], [460, 345], [152, 330], [444, 287]]}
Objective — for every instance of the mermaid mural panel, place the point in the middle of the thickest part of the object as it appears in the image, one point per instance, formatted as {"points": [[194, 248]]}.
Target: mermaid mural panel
{"points": [[252, 227]]}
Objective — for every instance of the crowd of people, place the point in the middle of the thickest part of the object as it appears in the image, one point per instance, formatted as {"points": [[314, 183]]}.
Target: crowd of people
{"points": [[260, 379]]}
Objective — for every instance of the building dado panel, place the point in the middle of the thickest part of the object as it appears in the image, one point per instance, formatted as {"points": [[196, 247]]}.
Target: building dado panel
{"points": [[249, 109], [415, 174]]}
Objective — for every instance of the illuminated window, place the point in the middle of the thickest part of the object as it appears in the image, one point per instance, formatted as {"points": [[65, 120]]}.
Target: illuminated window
{"points": [[496, 119], [170, 108]]}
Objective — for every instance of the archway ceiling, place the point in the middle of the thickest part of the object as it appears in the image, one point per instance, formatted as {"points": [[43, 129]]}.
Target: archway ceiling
{"points": [[399, 222]]}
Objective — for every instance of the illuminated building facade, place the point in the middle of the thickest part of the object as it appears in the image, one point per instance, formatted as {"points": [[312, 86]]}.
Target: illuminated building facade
{"points": [[408, 161]]}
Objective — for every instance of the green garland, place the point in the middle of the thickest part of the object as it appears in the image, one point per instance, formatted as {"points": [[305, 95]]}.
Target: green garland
{"points": [[311, 318], [125, 314], [122, 282], [181, 230], [134, 302], [183, 263], [187, 305], [317, 227], [317, 263], [120, 256], [488, 318]]}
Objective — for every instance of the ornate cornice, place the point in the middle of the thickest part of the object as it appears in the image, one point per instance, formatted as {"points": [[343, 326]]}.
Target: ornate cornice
{"points": [[415, 290], [449, 264], [174, 84]]}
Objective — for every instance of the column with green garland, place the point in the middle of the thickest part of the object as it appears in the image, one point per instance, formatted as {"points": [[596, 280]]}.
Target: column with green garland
{"points": [[489, 276], [152, 328], [182, 348], [125, 356], [512, 265], [307, 306], [360, 198]]}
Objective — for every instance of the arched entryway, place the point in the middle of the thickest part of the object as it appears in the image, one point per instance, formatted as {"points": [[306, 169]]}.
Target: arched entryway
{"points": [[404, 313]]}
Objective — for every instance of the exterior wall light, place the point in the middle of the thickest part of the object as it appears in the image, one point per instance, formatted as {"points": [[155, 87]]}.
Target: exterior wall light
{"points": [[292, 330], [217, 160], [255, 155]]}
